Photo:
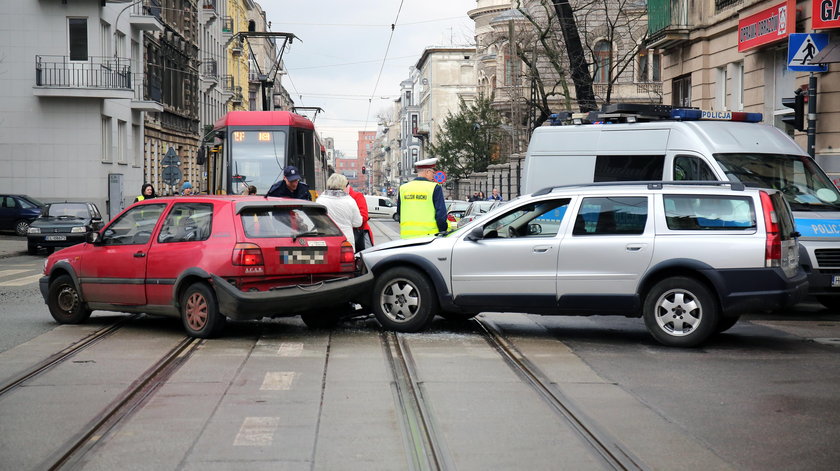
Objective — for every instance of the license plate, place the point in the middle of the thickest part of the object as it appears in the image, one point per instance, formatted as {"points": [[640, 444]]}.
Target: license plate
{"points": [[65, 238], [835, 281]]}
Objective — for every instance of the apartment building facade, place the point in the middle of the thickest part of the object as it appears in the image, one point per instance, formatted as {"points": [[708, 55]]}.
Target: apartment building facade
{"points": [[732, 55], [73, 99]]}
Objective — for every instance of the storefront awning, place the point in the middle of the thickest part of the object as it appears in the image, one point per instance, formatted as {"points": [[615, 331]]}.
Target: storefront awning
{"points": [[828, 55]]}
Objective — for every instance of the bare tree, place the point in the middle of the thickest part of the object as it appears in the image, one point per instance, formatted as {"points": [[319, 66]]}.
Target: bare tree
{"points": [[561, 40]]}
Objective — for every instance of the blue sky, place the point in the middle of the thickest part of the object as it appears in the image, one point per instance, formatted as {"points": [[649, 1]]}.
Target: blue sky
{"points": [[337, 62]]}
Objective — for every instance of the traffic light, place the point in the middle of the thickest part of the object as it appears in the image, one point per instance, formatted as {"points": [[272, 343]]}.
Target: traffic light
{"points": [[364, 170], [797, 103]]}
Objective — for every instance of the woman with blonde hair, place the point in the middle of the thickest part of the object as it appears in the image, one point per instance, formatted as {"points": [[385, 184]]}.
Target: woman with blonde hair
{"points": [[341, 207]]}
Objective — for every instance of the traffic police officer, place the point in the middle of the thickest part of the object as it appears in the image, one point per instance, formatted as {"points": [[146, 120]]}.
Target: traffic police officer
{"points": [[421, 205]]}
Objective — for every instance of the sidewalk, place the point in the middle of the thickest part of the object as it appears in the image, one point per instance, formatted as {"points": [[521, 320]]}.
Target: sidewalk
{"points": [[12, 245]]}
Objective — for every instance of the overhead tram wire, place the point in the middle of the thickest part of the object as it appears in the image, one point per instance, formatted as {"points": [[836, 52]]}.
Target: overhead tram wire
{"points": [[382, 67]]}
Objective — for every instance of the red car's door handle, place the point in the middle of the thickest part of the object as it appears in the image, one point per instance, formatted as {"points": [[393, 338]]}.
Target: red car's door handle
{"points": [[139, 254]]}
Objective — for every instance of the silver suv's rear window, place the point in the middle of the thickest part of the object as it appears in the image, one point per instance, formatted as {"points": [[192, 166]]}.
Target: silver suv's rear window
{"points": [[280, 221], [707, 212]]}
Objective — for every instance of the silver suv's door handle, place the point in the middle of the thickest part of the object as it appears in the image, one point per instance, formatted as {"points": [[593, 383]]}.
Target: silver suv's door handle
{"points": [[542, 248], [634, 248]]}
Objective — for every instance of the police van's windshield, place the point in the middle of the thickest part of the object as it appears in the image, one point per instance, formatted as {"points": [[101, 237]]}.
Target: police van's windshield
{"points": [[799, 178]]}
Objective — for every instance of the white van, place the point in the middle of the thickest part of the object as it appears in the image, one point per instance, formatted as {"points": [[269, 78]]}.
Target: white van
{"points": [[670, 149], [381, 207]]}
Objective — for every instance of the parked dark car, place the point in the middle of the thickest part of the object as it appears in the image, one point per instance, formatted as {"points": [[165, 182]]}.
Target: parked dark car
{"points": [[17, 212], [62, 225]]}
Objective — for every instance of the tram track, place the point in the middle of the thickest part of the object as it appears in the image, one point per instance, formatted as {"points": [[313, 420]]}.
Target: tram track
{"points": [[602, 443], [97, 431], [59, 357], [425, 447]]}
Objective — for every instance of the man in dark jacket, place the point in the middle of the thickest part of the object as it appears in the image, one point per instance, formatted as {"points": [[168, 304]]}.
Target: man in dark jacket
{"points": [[290, 186]]}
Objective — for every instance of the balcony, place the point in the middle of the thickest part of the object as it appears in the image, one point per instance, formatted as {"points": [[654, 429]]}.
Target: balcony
{"points": [[236, 47], [209, 11], [227, 26], [236, 97], [145, 16], [96, 77], [668, 24], [209, 74], [147, 94]]}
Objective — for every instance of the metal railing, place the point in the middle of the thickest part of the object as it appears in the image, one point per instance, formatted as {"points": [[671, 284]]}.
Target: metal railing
{"points": [[147, 8], [210, 69], [95, 72], [208, 4], [664, 14], [227, 83], [147, 88]]}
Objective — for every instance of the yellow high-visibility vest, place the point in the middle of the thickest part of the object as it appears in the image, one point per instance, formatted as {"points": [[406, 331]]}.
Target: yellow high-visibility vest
{"points": [[417, 210]]}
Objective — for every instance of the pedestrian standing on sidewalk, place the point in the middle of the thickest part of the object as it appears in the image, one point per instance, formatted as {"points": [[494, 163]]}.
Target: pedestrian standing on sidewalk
{"points": [[341, 207]]}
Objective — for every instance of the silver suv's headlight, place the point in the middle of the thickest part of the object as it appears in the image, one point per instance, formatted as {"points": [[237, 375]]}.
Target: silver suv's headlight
{"points": [[78, 229], [34, 230]]}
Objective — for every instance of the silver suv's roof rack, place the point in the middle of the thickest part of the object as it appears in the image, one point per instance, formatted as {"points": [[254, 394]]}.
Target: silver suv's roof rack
{"points": [[651, 185]]}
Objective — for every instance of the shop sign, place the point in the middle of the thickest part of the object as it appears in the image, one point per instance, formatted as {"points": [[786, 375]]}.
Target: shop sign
{"points": [[825, 14], [766, 26]]}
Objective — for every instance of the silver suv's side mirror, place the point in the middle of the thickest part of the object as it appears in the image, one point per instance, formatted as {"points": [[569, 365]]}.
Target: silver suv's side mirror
{"points": [[477, 233]]}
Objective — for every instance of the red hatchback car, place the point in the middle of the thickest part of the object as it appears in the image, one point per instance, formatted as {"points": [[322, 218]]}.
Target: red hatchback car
{"points": [[208, 258]]}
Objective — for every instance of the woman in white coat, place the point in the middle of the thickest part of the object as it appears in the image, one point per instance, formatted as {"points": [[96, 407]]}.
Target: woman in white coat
{"points": [[341, 207]]}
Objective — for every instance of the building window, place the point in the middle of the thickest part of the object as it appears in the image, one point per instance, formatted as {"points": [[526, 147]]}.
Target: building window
{"points": [[122, 141], [106, 139], [77, 28], [738, 86], [408, 98], [681, 91], [603, 62], [720, 88], [644, 66], [414, 119]]}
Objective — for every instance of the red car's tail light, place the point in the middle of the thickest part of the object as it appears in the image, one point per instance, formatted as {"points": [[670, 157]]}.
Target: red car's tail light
{"points": [[247, 254], [450, 217], [347, 255]]}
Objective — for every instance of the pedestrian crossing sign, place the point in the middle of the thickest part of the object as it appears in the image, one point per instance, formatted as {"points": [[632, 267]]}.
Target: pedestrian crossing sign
{"points": [[802, 47]]}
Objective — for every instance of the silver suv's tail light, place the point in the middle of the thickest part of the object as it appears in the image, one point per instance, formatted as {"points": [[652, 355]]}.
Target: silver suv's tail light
{"points": [[773, 241]]}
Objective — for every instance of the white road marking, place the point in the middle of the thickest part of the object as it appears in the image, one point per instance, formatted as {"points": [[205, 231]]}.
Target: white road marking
{"points": [[290, 349], [12, 272], [257, 431], [278, 381], [22, 281]]}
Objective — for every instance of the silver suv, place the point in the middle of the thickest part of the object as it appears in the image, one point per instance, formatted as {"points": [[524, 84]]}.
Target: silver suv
{"points": [[689, 257]]}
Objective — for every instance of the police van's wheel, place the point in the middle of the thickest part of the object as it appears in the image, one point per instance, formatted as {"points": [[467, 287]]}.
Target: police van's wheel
{"points": [[680, 312], [65, 303], [200, 311], [404, 300]]}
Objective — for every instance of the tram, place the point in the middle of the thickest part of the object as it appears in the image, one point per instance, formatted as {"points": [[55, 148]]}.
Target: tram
{"points": [[253, 147]]}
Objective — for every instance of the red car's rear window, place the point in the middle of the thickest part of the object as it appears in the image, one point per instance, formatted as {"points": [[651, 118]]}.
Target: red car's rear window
{"points": [[279, 221]]}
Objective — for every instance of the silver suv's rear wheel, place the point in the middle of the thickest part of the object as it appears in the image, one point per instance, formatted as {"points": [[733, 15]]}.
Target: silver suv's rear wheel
{"points": [[404, 300], [680, 312]]}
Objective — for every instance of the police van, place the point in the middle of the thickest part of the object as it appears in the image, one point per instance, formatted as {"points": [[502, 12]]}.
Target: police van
{"points": [[650, 143]]}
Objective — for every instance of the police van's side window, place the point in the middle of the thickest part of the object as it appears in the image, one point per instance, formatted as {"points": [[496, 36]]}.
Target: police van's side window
{"points": [[613, 215], [689, 167], [628, 168]]}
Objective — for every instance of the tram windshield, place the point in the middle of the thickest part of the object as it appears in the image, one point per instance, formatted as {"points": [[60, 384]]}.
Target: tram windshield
{"points": [[257, 158]]}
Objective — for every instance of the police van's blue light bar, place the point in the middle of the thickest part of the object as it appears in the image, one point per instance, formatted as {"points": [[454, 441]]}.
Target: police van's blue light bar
{"points": [[687, 114]]}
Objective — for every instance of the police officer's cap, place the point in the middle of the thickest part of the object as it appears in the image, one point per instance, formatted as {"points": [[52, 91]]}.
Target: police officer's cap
{"points": [[427, 163]]}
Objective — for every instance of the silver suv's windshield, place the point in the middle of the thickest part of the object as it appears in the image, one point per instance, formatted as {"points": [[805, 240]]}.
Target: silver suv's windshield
{"points": [[805, 186]]}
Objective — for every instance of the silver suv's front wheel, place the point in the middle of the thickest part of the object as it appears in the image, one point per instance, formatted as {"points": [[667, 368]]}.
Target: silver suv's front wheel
{"points": [[680, 312], [404, 300]]}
